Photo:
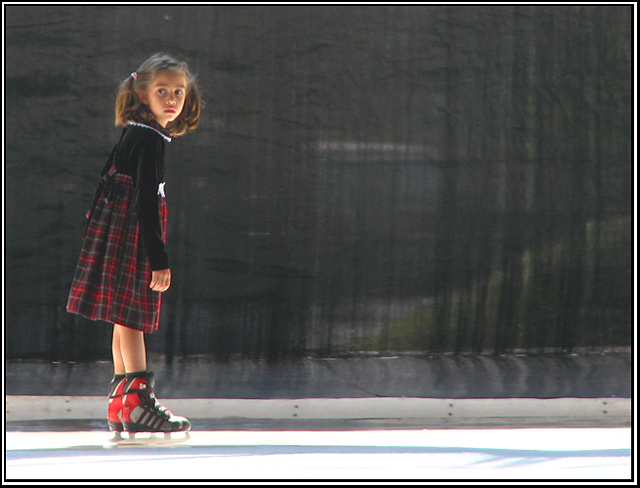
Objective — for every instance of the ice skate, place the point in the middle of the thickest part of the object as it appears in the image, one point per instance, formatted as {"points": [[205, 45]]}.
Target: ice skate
{"points": [[145, 420]]}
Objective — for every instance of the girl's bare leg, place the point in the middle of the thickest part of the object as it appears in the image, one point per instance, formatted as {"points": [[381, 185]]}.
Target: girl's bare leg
{"points": [[129, 351], [118, 361]]}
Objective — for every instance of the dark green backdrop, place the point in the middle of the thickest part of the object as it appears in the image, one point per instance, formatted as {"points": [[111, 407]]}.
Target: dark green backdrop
{"points": [[373, 179]]}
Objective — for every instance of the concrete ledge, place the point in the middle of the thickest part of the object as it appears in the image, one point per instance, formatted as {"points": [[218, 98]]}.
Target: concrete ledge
{"points": [[543, 376], [595, 410]]}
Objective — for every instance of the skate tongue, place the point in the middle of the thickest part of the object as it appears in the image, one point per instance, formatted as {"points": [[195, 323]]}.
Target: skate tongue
{"points": [[146, 380]]}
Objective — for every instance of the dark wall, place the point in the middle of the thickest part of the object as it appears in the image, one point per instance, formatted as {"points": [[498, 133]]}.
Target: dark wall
{"points": [[408, 179]]}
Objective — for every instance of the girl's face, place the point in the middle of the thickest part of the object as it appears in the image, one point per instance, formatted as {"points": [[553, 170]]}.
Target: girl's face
{"points": [[165, 96]]}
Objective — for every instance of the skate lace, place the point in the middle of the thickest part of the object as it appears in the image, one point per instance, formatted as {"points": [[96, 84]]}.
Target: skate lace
{"points": [[158, 408]]}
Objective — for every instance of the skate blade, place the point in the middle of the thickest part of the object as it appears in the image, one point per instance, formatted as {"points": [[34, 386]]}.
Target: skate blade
{"points": [[147, 439]]}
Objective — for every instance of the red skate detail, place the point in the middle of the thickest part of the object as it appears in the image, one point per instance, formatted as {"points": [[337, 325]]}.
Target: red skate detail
{"points": [[114, 413]]}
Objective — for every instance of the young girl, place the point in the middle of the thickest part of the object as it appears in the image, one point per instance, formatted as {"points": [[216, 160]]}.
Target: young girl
{"points": [[123, 266]]}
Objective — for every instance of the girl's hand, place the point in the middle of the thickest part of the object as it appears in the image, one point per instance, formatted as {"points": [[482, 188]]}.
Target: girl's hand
{"points": [[160, 280]]}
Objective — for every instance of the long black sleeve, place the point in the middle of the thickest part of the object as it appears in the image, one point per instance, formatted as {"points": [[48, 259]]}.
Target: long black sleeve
{"points": [[149, 155]]}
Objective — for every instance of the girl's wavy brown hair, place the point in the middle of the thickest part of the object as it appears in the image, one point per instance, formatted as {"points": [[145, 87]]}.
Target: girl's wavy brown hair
{"points": [[129, 108]]}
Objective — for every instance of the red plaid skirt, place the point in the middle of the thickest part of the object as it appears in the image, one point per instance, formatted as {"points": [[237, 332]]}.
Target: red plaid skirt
{"points": [[111, 282]]}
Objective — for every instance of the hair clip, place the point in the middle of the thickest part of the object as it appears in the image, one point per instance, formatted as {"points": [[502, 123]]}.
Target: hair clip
{"points": [[134, 75]]}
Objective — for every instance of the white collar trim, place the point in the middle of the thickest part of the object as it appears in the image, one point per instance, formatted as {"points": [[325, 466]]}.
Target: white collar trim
{"points": [[168, 139]]}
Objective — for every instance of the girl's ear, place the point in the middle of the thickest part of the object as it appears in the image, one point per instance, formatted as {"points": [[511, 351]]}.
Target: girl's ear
{"points": [[142, 95]]}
